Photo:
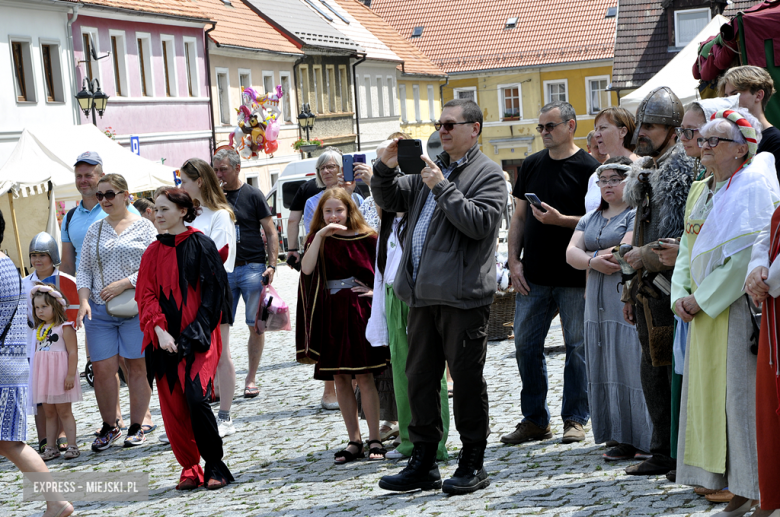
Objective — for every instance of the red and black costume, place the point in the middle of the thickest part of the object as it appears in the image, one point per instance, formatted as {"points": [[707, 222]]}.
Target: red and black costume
{"points": [[331, 324], [181, 288]]}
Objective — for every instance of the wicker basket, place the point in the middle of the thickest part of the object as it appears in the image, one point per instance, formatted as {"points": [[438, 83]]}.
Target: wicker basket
{"points": [[502, 311]]}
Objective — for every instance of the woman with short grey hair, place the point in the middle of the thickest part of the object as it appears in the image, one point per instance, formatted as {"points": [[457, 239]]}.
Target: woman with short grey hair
{"points": [[329, 175]]}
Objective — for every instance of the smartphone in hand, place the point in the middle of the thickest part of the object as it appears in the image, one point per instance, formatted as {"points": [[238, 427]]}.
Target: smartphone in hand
{"points": [[535, 201], [409, 152], [348, 168]]}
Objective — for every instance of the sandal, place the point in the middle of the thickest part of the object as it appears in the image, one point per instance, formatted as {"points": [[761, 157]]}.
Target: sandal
{"points": [[376, 450], [72, 452], [250, 393], [62, 444], [42, 446], [348, 456], [50, 453]]}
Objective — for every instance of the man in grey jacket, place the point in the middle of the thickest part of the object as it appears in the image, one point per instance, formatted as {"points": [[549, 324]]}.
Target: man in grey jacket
{"points": [[447, 277]]}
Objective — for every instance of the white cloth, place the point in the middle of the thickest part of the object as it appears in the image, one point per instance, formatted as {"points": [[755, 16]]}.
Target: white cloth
{"points": [[739, 212], [760, 257], [376, 328], [712, 106], [593, 197], [219, 227]]}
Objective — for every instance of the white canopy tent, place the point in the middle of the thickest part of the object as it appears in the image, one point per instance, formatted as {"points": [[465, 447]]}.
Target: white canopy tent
{"points": [[47, 153], [677, 73]]}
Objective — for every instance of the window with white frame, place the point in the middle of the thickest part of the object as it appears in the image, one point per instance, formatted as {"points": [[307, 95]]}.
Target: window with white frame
{"points": [[344, 84], [369, 111], [144, 42], [169, 64], [380, 96], [305, 86], [391, 94], [286, 102], [509, 97], [431, 104], [52, 71], [223, 95], [466, 93], [119, 61], [24, 80], [331, 73], [318, 90], [557, 90], [402, 101], [598, 96], [90, 48], [416, 93], [268, 82], [191, 62], [688, 24], [244, 78]]}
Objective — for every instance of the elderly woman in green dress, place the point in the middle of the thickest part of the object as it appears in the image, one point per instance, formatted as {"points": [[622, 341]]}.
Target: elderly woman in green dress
{"points": [[723, 216]]}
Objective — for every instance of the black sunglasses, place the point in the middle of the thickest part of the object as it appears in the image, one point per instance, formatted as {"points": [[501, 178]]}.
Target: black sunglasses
{"points": [[109, 195], [713, 141], [549, 127], [449, 126]]}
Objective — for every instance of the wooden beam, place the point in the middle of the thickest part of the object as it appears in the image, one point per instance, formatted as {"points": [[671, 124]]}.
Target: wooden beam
{"points": [[22, 269]]}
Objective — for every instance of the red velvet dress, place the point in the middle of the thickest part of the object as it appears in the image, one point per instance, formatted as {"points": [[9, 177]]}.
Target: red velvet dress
{"points": [[768, 392], [331, 328], [182, 288]]}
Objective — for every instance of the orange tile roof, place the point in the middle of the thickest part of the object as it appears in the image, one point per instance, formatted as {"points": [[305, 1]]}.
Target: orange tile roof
{"points": [[415, 62], [239, 26], [179, 8], [469, 35]]}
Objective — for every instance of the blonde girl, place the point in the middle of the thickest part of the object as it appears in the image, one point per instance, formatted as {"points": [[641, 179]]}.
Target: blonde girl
{"points": [[55, 367]]}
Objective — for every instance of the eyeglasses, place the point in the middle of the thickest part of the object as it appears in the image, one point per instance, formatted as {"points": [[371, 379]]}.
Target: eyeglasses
{"points": [[713, 141], [686, 133], [109, 195], [329, 167], [449, 126], [612, 182], [549, 127]]}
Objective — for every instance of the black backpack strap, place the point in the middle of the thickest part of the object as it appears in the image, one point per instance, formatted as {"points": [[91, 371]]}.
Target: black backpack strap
{"points": [[68, 218]]}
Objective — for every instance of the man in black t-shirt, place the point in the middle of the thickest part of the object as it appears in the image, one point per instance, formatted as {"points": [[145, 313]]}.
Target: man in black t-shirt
{"points": [[304, 192], [754, 86], [252, 213], [545, 283]]}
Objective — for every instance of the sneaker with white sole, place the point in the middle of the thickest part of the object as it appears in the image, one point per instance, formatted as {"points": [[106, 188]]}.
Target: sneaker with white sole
{"points": [[135, 436], [226, 427], [394, 455], [108, 435], [163, 438]]}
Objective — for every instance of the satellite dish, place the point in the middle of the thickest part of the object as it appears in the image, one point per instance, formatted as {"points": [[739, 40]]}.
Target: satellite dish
{"points": [[433, 147]]}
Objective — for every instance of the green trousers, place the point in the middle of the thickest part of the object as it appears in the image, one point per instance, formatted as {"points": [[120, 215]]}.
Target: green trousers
{"points": [[397, 314]]}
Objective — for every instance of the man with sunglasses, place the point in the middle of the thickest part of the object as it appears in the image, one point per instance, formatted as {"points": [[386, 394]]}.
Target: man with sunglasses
{"points": [[658, 188], [447, 276], [545, 283]]}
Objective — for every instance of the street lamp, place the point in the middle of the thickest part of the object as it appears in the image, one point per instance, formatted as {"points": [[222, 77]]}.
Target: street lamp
{"points": [[92, 98]]}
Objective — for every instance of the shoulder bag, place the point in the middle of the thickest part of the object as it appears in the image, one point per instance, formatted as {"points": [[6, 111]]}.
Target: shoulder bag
{"points": [[122, 305]]}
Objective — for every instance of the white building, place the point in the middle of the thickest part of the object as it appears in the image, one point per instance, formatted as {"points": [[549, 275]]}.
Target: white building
{"points": [[36, 65]]}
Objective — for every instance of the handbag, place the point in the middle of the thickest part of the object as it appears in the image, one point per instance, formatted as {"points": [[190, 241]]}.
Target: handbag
{"points": [[122, 305], [273, 313]]}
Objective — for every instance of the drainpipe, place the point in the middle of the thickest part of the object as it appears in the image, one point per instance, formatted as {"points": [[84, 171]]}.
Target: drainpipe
{"points": [[211, 98], [441, 91], [74, 85], [295, 88], [357, 99]]}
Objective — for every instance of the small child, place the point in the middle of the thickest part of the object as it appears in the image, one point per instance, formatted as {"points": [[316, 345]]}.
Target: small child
{"points": [[55, 367]]}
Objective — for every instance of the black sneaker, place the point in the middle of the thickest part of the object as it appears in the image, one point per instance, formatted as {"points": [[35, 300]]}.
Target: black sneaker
{"points": [[623, 451], [108, 435], [470, 475], [421, 473]]}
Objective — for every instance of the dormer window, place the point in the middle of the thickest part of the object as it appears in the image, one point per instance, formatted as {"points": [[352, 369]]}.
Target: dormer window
{"points": [[417, 32], [511, 23], [611, 12], [688, 24]]}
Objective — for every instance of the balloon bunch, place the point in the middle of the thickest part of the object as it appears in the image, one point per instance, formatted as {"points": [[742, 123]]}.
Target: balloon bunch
{"points": [[257, 128]]}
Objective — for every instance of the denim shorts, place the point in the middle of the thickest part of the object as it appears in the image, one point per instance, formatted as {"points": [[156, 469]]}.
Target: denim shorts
{"points": [[109, 336], [247, 281]]}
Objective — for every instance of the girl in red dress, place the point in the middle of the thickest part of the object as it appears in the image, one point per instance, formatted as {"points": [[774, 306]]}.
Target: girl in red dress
{"points": [[334, 304], [180, 292]]}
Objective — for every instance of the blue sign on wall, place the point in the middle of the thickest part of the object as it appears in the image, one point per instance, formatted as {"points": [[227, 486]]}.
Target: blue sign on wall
{"points": [[135, 145]]}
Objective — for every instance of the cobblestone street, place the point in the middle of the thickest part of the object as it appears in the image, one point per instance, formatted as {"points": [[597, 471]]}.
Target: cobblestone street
{"points": [[282, 455]]}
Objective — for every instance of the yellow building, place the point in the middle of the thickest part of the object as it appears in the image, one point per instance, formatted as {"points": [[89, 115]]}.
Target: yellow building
{"points": [[419, 98]]}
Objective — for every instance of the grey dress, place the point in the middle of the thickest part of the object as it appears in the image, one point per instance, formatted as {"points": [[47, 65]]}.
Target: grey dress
{"points": [[612, 351], [14, 365]]}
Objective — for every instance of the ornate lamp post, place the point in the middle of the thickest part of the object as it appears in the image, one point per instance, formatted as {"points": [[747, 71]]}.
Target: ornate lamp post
{"points": [[306, 123], [92, 98]]}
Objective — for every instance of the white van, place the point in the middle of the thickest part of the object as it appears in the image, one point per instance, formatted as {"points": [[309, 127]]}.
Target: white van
{"points": [[282, 193]]}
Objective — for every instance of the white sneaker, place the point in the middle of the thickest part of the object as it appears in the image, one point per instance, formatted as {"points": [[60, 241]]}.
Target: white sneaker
{"points": [[394, 455], [226, 427], [163, 438]]}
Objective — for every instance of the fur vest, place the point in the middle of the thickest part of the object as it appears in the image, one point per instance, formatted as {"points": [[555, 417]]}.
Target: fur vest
{"points": [[667, 188]]}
